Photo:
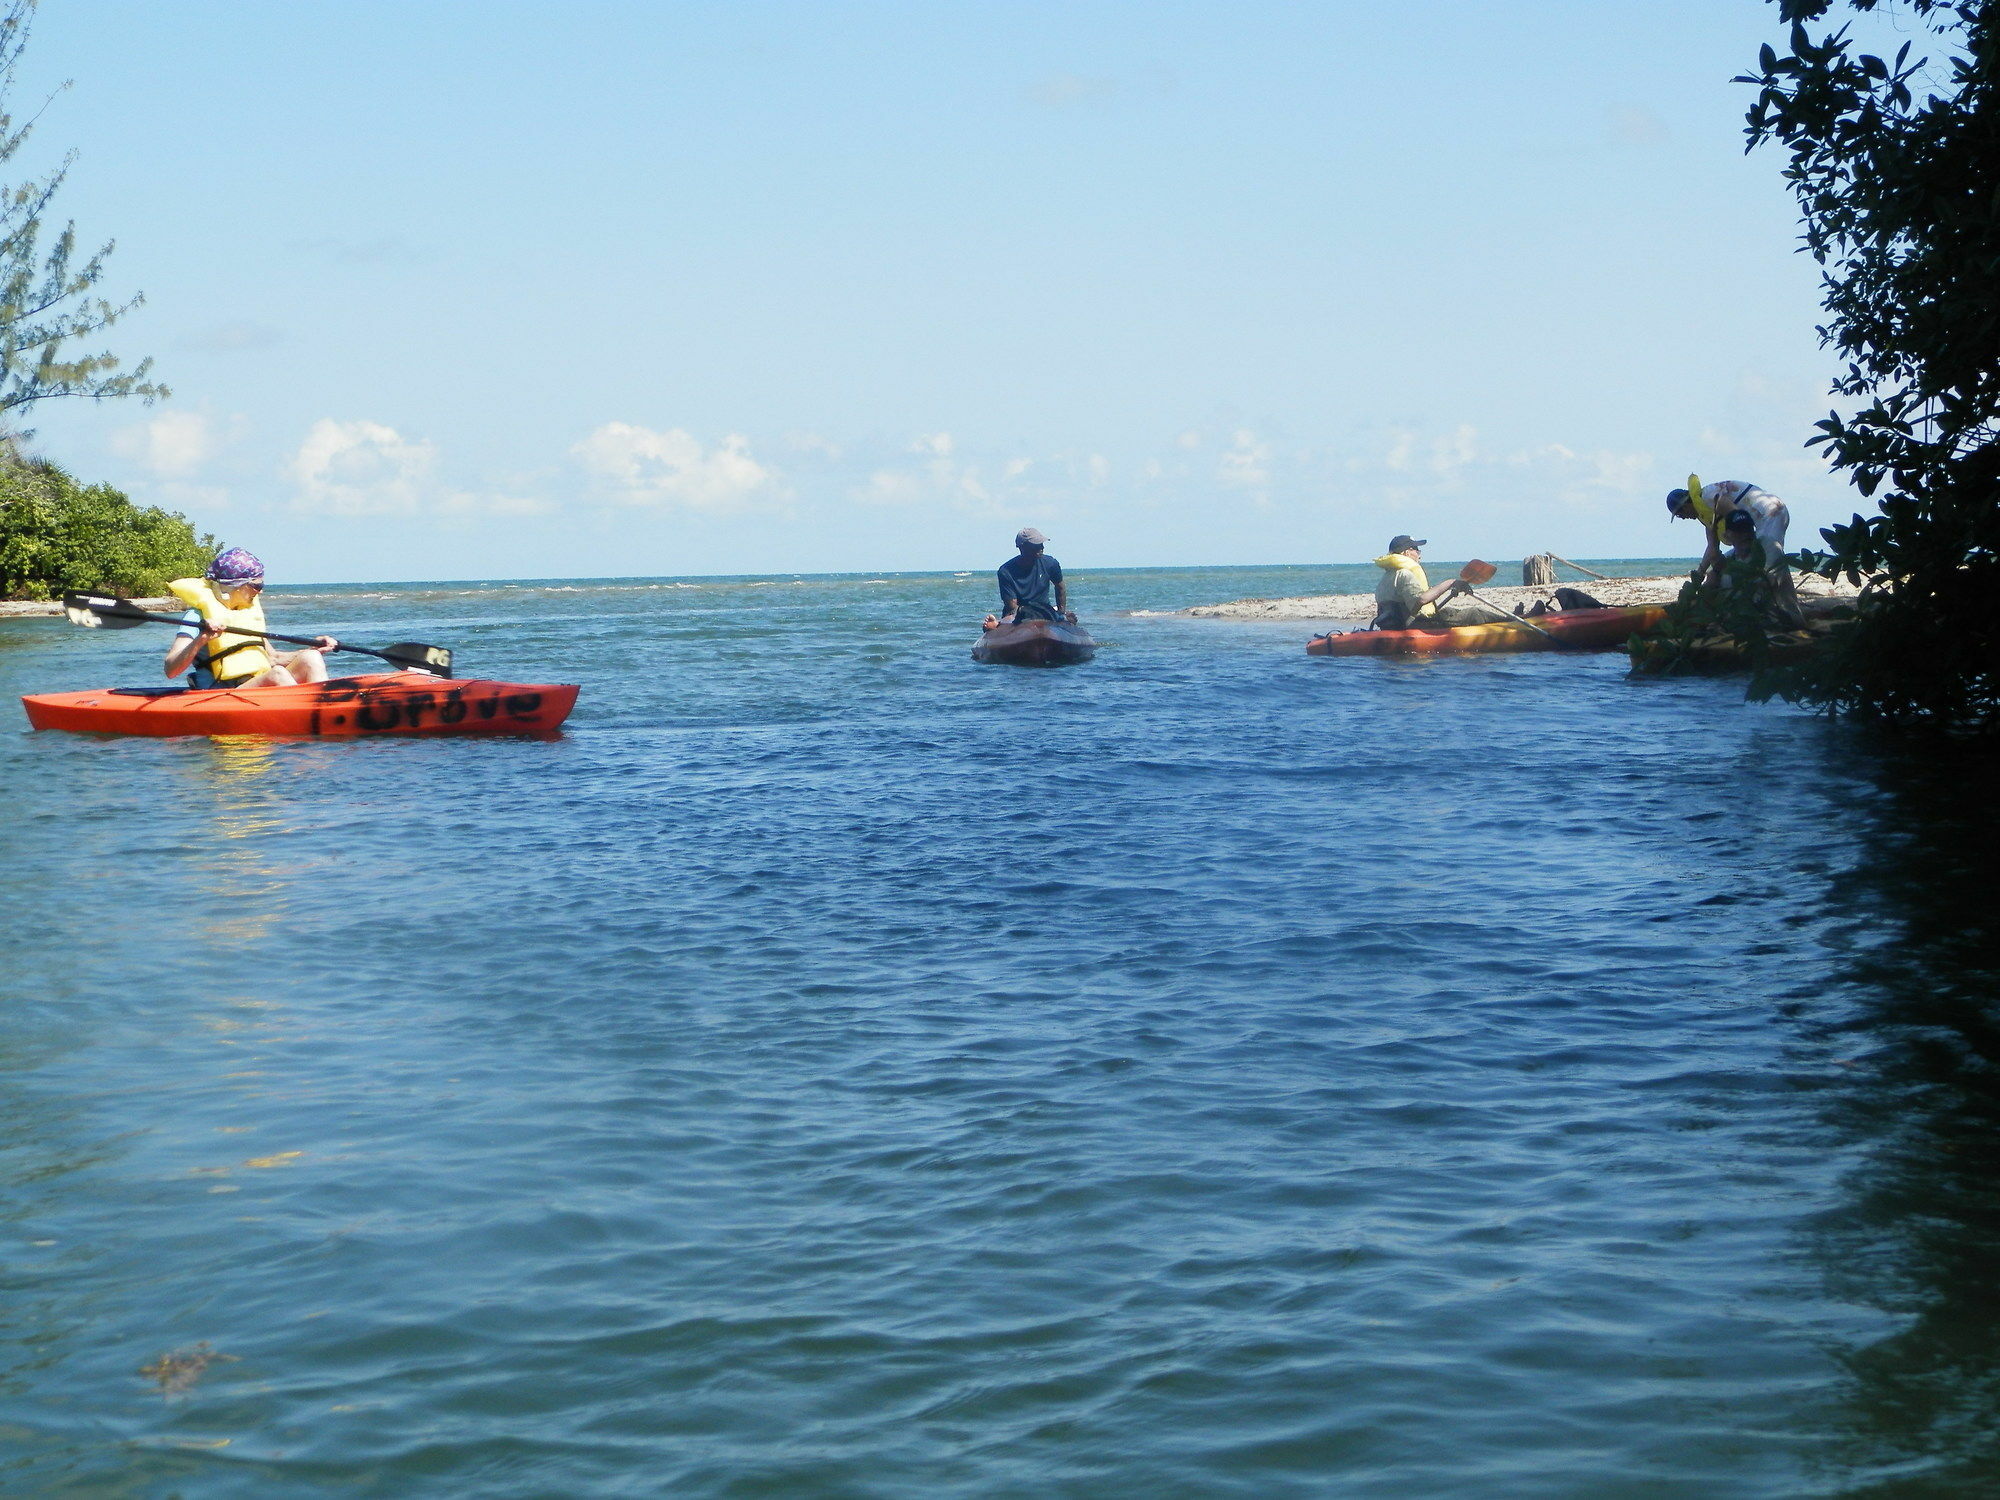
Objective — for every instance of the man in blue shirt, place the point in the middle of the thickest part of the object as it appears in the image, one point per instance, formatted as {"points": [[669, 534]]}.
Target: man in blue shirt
{"points": [[1031, 585]]}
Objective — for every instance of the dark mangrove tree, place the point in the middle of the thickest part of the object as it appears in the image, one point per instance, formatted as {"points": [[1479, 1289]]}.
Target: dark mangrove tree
{"points": [[1895, 161]]}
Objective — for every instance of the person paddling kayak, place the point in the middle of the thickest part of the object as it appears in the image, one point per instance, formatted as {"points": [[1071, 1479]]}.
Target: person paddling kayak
{"points": [[221, 603], [1405, 597], [1031, 585]]}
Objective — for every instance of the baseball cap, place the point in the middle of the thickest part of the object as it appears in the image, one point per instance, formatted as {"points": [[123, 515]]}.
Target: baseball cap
{"points": [[1027, 536], [1403, 543]]}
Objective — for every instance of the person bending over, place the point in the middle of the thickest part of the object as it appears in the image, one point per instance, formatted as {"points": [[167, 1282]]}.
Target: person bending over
{"points": [[209, 647], [1031, 585], [1739, 502]]}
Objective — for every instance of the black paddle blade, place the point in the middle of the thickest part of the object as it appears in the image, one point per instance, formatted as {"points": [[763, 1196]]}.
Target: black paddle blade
{"points": [[436, 659], [102, 611]]}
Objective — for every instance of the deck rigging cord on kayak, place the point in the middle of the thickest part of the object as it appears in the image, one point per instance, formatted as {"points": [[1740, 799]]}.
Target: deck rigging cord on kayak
{"points": [[105, 611]]}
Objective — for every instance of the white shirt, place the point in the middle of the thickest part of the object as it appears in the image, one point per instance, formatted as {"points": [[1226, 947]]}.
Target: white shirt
{"points": [[1767, 513]]}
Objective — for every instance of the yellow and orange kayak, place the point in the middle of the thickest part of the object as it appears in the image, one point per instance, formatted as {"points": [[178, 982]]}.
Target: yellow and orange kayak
{"points": [[1570, 629], [381, 703]]}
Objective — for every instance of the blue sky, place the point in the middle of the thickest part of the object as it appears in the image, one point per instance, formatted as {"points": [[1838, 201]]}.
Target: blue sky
{"points": [[490, 289]]}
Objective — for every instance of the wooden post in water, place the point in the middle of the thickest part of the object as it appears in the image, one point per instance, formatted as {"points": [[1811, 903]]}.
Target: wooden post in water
{"points": [[1539, 571]]}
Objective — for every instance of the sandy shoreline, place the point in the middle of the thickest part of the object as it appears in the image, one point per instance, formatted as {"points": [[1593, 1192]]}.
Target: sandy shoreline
{"points": [[1361, 607], [42, 608]]}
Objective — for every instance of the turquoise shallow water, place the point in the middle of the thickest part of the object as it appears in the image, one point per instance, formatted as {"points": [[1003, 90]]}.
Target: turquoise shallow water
{"points": [[833, 1068]]}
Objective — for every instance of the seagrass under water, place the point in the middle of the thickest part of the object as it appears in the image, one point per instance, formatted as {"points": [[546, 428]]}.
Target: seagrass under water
{"points": [[834, 1068]]}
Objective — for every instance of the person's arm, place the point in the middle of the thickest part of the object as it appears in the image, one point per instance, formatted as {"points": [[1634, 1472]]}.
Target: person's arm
{"points": [[1414, 599], [1709, 570], [1449, 587], [183, 648], [1062, 590], [1712, 511]]}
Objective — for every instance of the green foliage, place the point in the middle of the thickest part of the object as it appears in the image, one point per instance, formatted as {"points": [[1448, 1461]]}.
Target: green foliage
{"points": [[1896, 166], [45, 299], [1726, 628], [57, 535]]}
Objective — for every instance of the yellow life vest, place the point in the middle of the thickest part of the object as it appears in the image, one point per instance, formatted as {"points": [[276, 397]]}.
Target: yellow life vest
{"points": [[228, 655], [1395, 562], [1703, 511]]}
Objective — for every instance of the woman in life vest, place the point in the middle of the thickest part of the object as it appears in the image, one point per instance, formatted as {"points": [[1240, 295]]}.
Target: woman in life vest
{"points": [[208, 646]]}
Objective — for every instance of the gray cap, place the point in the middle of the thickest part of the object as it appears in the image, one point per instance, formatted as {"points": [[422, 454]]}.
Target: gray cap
{"points": [[1027, 536]]}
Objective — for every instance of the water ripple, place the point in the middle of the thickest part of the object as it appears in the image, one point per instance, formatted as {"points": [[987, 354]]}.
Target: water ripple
{"points": [[851, 1071]]}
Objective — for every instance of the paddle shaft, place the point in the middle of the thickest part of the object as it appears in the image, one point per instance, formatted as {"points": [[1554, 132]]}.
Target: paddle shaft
{"points": [[1512, 619], [135, 613]]}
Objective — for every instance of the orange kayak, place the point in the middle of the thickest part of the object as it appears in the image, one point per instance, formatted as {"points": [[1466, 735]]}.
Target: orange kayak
{"points": [[1035, 643], [381, 703], [1576, 629]]}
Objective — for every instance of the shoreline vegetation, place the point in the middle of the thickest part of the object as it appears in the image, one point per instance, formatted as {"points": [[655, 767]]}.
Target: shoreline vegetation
{"points": [[58, 534]]}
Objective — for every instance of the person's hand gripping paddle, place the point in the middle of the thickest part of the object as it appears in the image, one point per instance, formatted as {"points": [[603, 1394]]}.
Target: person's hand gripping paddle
{"points": [[104, 611]]}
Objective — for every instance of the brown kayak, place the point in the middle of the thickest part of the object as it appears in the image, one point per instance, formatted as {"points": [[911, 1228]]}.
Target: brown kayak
{"points": [[1035, 643]]}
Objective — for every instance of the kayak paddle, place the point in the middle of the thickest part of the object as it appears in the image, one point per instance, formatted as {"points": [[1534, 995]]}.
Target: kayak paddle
{"points": [[1482, 572], [109, 613]]}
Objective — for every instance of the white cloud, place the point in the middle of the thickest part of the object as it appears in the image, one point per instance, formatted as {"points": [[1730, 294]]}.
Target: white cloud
{"points": [[361, 468], [173, 445], [641, 466], [936, 476], [1246, 463], [1454, 452], [1446, 456]]}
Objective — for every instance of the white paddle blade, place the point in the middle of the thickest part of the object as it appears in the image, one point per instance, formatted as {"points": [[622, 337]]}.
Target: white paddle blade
{"points": [[94, 610]]}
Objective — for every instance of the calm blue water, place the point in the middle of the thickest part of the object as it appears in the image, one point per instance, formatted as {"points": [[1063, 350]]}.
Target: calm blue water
{"points": [[833, 1068]]}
